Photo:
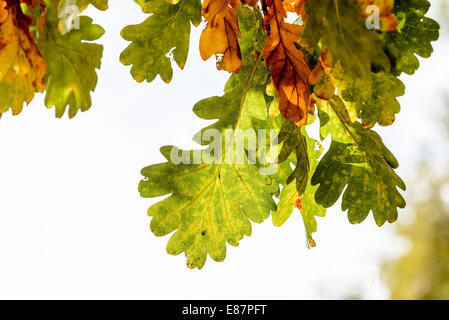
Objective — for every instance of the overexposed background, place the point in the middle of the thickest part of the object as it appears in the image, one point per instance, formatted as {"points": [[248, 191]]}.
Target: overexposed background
{"points": [[72, 224]]}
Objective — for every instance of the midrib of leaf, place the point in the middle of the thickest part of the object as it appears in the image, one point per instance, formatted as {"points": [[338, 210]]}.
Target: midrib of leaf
{"points": [[293, 195], [242, 103], [367, 159], [216, 177], [304, 147], [61, 52], [198, 195], [283, 46], [59, 45], [228, 220], [208, 211], [177, 13], [245, 93]]}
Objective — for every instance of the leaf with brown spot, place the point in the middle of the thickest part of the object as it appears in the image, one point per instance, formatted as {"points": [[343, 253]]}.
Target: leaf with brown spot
{"points": [[325, 76], [22, 67], [358, 166], [289, 69]]}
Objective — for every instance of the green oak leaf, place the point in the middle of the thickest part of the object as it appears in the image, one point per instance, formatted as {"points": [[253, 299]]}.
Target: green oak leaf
{"points": [[212, 203], [166, 31], [358, 159], [300, 149], [71, 61], [413, 37], [339, 27], [209, 205], [374, 103]]}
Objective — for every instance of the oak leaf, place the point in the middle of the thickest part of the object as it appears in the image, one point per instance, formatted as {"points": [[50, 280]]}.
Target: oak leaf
{"points": [[289, 68], [220, 37], [72, 60], [162, 37], [412, 37], [357, 165], [22, 67], [373, 103]]}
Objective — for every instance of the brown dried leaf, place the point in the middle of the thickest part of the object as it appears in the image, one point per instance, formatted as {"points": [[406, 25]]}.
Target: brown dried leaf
{"points": [[289, 69]]}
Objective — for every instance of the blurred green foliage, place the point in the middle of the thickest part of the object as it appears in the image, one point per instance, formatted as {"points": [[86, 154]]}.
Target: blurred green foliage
{"points": [[423, 272]]}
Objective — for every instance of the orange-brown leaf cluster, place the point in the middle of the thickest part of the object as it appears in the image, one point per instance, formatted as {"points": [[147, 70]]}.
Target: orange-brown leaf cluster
{"points": [[220, 37], [289, 68]]}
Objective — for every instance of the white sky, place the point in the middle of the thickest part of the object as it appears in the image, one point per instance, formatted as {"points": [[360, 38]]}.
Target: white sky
{"points": [[72, 224]]}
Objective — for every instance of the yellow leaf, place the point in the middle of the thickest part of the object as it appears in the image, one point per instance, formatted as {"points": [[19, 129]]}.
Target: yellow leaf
{"points": [[220, 37], [22, 67]]}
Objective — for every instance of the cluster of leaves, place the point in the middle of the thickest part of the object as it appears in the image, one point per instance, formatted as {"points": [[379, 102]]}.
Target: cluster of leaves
{"points": [[328, 63], [36, 55]]}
